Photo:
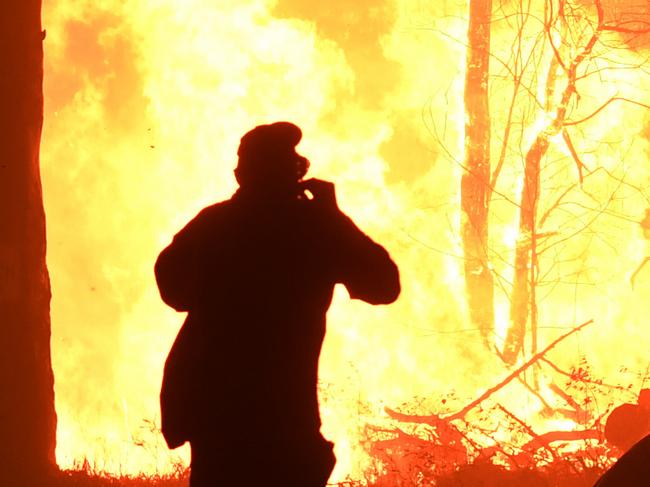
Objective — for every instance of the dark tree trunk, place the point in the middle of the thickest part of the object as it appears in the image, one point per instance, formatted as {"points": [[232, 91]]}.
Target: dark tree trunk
{"points": [[27, 416], [476, 176], [523, 282], [523, 301]]}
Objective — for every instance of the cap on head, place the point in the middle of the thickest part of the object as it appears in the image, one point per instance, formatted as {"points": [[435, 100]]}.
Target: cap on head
{"points": [[268, 152], [275, 138]]}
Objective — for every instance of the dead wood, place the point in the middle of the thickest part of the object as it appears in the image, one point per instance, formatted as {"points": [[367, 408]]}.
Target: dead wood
{"points": [[543, 440], [516, 372], [437, 421]]}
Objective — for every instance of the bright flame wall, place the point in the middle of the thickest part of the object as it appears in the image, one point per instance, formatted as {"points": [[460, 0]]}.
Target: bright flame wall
{"points": [[145, 104]]}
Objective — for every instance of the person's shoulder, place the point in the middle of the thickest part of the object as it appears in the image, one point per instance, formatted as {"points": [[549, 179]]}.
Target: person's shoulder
{"points": [[216, 208], [210, 215]]}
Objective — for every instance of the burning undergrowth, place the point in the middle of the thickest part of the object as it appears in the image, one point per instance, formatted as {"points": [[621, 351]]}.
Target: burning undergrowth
{"points": [[421, 451], [570, 439]]}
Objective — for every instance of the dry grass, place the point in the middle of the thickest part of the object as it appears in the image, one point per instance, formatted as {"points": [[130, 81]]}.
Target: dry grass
{"points": [[468, 476], [87, 478]]}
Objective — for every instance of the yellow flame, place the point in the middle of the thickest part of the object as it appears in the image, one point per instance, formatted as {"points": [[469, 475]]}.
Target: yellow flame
{"points": [[145, 104]]}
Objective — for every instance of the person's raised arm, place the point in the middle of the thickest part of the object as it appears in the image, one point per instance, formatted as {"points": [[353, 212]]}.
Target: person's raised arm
{"points": [[363, 266]]}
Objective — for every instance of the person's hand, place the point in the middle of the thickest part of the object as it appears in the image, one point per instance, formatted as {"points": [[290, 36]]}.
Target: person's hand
{"points": [[323, 193]]}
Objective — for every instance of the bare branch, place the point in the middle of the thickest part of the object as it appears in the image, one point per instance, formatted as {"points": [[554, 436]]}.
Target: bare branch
{"points": [[548, 22], [625, 30], [542, 441], [602, 107], [574, 154], [638, 269]]}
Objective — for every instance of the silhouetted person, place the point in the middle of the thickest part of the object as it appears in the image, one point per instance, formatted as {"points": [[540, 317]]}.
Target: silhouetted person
{"points": [[631, 470], [627, 429], [628, 423], [256, 274]]}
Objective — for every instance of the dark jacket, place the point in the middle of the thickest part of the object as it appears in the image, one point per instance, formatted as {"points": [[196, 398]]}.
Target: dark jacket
{"points": [[257, 278]]}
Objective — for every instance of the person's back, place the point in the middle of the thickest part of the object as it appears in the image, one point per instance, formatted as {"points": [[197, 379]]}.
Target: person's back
{"points": [[256, 274]]}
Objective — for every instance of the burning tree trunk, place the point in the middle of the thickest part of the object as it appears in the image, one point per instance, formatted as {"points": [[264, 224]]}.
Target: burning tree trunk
{"points": [[523, 302], [476, 175], [27, 416], [524, 277]]}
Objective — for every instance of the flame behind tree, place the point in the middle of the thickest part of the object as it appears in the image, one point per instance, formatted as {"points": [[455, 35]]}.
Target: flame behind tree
{"points": [[27, 417], [555, 56]]}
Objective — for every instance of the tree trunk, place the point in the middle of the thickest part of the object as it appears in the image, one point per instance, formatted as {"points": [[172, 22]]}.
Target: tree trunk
{"points": [[474, 188], [27, 416], [521, 287], [522, 301]]}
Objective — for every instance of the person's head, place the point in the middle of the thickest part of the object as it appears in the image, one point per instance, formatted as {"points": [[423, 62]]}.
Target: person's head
{"points": [[268, 162]]}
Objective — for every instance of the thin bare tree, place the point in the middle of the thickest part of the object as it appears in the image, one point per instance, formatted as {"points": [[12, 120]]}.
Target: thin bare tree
{"points": [[554, 51], [577, 35]]}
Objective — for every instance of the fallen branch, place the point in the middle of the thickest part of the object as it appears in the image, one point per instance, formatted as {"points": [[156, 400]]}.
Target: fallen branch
{"points": [[430, 419], [515, 374], [527, 429], [543, 440], [446, 432], [577, 408], [517, 420], [436, 420], [537, 394]]}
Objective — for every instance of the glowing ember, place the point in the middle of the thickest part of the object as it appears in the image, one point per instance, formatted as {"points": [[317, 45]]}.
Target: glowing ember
{"points": [[145, 104]]}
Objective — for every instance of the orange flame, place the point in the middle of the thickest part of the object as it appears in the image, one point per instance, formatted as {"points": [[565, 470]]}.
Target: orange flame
{"points": [[145, 104]]}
